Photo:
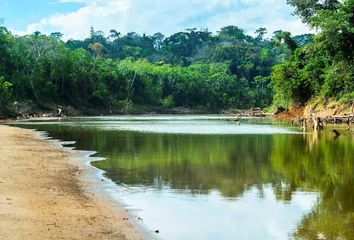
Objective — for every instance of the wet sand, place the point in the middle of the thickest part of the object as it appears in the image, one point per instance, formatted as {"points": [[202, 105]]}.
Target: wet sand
{"points": [[46, 193]]}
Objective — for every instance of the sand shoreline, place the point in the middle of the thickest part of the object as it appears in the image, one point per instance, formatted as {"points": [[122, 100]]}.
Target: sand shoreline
{"points": [[47, 192]]}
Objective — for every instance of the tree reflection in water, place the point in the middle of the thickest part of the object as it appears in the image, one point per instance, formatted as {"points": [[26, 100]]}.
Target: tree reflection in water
{"points": [[233, 164]]}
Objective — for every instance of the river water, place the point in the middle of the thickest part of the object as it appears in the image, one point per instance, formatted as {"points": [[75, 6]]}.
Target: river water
{"points": [[208, 177]]}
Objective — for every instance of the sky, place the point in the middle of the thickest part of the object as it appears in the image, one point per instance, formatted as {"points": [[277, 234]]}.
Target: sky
{"points": [[74, 18]]}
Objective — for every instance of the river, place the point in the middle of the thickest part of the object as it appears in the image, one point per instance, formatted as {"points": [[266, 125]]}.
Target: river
{"points": [[209, 177]]}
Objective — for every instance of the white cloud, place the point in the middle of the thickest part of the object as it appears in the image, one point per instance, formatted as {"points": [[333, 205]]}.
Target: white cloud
{"points": [[272, 14], [76, 24], [169, 16]]}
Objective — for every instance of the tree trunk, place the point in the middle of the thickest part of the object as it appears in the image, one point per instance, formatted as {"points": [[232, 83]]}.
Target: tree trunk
{"points": [[317, 124], [34, 91]]}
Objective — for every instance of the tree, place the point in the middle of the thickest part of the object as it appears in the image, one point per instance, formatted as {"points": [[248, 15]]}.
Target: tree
{"points": [[114, 34], [97, 48], [57, 35], [261, 32], [192, 68], [307, 9], [232, 32], [5, 45], [285, 37], [158, 41], [320, 65], [5, 94]]}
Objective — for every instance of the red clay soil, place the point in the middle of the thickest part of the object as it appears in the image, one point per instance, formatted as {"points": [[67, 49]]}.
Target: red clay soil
{"points": [[297, 111]]}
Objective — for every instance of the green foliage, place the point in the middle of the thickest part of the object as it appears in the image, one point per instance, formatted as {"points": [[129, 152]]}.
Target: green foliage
{"points": [[285, 37], [5, 94], [323, 66], [347, 98], [168, 102], [306, 9], [339, 80], [192, 68]]}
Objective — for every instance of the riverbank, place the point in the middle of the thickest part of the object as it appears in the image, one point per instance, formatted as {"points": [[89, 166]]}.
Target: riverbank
{"points": [[318, 108], [28, 110], [46, 193]]}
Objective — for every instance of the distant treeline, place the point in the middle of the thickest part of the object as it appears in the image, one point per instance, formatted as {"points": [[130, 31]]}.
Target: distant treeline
{"points": [[193, 68]]}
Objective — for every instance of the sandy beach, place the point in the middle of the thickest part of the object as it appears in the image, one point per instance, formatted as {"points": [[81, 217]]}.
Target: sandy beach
{"points": [[45, 194]]}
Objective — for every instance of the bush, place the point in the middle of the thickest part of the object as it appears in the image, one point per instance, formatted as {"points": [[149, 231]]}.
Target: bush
{"points": [[168, 102], [5, 94]]}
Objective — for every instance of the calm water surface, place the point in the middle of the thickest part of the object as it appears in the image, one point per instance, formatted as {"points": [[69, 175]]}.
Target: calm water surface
{"points": [[205, 177]]}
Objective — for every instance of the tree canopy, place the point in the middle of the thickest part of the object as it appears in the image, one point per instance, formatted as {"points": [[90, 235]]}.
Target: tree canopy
{"points": [[324, 66], [193, 68]]}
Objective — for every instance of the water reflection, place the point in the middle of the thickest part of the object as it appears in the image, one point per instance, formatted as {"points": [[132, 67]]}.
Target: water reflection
{"points": [[250, 186]]}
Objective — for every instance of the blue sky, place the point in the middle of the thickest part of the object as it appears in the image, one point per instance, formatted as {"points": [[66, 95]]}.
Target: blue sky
{"points": [[74, 17]]}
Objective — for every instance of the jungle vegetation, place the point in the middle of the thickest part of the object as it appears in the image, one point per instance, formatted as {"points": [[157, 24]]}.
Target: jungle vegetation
{"points": [[324, 67], [194, 68]]}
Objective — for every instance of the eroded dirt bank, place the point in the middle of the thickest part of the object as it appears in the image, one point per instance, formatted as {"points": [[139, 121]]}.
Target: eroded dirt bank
{"points": [[319, 109]]}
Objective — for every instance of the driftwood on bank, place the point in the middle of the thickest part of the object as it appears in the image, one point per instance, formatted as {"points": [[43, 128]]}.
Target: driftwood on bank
{"points": [[326, 120], [318, 123], [253, 112], [339, 119]]}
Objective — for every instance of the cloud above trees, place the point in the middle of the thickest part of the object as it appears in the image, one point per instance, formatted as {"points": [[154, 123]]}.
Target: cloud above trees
{"points": [[169, 16]]}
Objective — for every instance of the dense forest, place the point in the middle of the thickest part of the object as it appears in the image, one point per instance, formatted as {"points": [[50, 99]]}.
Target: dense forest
{"points": [[324, 67], [193, 68]]}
